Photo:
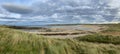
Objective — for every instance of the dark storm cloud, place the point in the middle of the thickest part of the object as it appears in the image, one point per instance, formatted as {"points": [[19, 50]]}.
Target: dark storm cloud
{"points": [[17, 8]]}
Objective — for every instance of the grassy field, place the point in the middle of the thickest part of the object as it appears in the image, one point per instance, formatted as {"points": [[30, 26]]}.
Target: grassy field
{"points": [[112, 29], [97, 38], [17, 42]]}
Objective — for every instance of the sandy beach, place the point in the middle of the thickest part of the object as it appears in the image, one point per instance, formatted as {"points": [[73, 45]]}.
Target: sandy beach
{"points": [[65, 31]]}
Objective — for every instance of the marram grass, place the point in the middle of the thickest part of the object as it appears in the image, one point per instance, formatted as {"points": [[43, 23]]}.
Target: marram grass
{"points": [[17, 42], [97, 38]]}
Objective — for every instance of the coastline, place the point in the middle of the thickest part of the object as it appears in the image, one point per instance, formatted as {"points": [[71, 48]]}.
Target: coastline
{"points": [[62, 31]]}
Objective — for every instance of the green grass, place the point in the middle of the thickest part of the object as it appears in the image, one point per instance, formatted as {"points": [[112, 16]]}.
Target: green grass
{"points": [[112, 28], [17, 42], [97, 38]]}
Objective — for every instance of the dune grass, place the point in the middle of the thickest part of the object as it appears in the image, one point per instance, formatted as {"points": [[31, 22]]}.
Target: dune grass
{"points": [[17, 42], [112, 28], [97, 38]]}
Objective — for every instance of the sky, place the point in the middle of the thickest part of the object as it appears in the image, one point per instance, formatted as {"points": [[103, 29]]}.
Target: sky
{"points": [[42, 12]]}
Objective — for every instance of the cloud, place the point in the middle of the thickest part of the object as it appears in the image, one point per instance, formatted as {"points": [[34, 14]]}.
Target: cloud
{"points": [[114, 3], [17, 8], [65, 11]]}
